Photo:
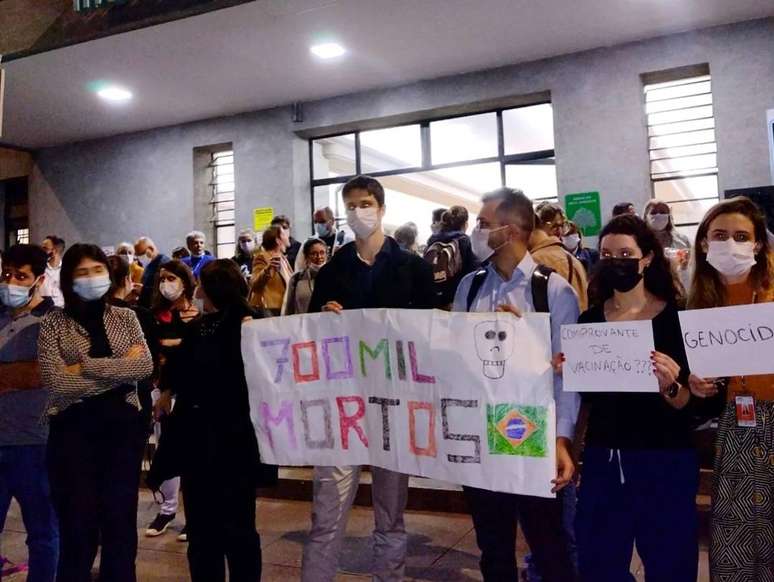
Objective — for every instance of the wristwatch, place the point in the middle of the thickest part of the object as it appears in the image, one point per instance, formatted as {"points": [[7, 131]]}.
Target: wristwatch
{"points": [[673, 390]]}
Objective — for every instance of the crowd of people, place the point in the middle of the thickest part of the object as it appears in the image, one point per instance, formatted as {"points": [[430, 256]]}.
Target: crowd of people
{"points": [[99, 352]]}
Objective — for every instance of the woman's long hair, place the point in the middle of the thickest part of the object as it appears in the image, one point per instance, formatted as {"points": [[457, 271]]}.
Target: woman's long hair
{"points": [[664, 206], [707, 287], [182, 272], [74, 305], [658, 276], [225, 287]]}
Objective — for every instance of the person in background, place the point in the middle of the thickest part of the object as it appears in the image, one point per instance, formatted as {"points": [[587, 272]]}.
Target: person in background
{"points": [[548, 249], [180, 253], [23, 433], [271, 272], [244, 252], [552, 219], [450, 254], [325, 228], [406, 237], [624, 208], [676, 245], [573, 242], [54, 247], [436, 224], [196, 241], [125, 250], [214, 446], [173, 309], [733, 266], [506, 284], [150, 259], [369, 273], [292, 246], [314, 253], [91, 356], [639, 485]]}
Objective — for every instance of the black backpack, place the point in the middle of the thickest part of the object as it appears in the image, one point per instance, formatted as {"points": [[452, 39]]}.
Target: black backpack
{"points": [[539, 287], [445, 259]]}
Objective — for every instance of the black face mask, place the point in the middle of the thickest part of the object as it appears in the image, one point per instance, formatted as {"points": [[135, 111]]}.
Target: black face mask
{"points": [[620, 274]]}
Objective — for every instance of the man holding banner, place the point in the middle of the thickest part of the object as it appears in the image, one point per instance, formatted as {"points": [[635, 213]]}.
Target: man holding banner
{"points": [[512, 282], [369, 273]]}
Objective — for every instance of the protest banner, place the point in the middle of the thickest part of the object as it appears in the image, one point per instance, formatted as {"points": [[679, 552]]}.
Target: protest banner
{"points": [[608, 357], [462, 397], [729, 341]]}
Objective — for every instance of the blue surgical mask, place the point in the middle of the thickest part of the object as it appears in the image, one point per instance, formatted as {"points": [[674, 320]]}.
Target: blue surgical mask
{"points": [[15, 296], [322, 229], [91, 288]]}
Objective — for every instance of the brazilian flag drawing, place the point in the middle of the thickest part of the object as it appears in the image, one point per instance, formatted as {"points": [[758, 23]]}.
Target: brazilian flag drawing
{"points": [[516, 430]]}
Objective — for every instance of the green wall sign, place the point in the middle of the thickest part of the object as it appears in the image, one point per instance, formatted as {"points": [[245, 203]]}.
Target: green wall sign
{"points": [[584, 210]]}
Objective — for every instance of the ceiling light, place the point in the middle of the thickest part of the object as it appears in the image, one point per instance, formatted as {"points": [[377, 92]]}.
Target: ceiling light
{"points": [[114, 94], [328, 50]]}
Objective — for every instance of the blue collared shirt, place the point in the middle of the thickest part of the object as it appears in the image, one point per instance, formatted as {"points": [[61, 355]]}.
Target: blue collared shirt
{"points": [[564, 309]]}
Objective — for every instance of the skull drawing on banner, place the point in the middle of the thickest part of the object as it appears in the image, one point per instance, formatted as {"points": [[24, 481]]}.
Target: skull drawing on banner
{"points": [[494, 345]]}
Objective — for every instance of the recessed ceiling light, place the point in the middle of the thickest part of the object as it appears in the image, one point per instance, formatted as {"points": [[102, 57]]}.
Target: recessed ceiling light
{"points": [[328, 50], [114, 94]]}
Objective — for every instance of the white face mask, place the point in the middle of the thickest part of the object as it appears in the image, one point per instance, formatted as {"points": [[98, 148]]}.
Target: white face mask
{"points": [[363, 221], [479, 241], [731, 258], [247, 246], [171, 290], [322, 229], [571, 241], [144, 260], [658, 221]]}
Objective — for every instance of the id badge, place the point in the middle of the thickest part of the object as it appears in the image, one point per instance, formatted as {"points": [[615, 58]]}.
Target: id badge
{"points": [[745, 411]]}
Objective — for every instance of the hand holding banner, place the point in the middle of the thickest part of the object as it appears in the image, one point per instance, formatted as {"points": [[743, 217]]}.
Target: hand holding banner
{"points": [[462, 397]]}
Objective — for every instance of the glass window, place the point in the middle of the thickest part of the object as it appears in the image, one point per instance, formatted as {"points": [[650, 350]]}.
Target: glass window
{"points": [[463, 138], [691, 211], [680, 189], [537, 180], [391, 149], [333, 156], [528, 129], [223, 203]]}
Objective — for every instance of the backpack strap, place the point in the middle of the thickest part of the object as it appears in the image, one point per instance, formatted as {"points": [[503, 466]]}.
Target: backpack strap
{"points": [[475, 286], [570, 268], [540, 278]]}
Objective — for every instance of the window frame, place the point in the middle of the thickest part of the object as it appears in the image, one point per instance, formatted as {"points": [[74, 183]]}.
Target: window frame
{"points": [[217, 222], [427, 165]]}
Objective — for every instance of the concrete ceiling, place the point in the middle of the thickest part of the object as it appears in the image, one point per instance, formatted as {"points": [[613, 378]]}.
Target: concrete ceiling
{"points": [[256, 55]]}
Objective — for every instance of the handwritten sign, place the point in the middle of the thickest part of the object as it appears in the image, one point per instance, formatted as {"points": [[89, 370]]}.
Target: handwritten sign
{"points": [[609, 357], [462, 397], [729, 341]]}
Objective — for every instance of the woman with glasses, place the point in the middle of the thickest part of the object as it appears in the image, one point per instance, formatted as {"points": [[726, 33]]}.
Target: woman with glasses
{"points": [[314, 255]]}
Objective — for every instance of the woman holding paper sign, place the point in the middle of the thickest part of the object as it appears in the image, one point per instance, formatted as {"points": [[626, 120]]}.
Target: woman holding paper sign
{"points": [[734, 267], [640, 471]]}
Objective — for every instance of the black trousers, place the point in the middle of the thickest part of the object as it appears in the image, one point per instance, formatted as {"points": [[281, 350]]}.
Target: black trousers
{"points": [[94, 456], [220, 517], [496, 516]]}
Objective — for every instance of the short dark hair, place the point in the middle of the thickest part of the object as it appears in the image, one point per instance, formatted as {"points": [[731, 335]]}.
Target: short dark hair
{"points": [[325, 213], [659, 279], [622, 208], [310, 242], [367, 183], [180, 252], [514, 208], [270, 238], [454, 219], [548, 211], [225, 286], [406, 234], [438, 214], [70, 261], [181, 271], [59, 243], [280, 220], [32, 255]]}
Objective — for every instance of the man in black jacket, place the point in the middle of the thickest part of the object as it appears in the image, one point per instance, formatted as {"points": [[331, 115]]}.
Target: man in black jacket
{"points": [[371, 272]]}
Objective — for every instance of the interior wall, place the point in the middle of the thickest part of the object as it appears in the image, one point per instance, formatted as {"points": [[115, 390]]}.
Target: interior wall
{"points": [[141, 183]]}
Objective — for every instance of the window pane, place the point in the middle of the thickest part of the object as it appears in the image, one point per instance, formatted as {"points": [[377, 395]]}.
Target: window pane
{"points": [[676, 82], [691, 211], [464, 138], [334, 156], [681, 103], [670, 128], [690, 150], [391, 149], [681, 164], [528, 129], [680, 115], [678, 91], [682, 139], [538, 181], [686, 188]]}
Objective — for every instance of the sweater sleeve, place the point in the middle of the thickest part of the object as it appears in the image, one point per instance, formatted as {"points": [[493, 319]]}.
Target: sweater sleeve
{"points": [[289, 305], [122, 369]]}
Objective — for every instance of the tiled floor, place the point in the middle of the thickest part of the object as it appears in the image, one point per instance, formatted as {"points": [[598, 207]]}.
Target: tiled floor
{"points": [[442, 547]]}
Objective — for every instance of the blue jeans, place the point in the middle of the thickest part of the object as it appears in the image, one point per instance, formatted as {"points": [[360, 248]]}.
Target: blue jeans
{"points": [[23, 476]]}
